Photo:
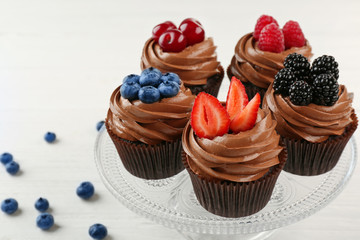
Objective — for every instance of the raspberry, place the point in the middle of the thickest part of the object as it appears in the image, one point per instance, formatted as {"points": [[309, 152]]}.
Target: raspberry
{"points": [[299, 64], [283, 79], [262, 21], [300, 93], [293, 35], [271, 39], [326, 90], [325, 64]]}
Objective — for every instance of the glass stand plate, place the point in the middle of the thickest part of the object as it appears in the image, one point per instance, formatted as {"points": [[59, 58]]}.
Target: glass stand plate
{"points": [[172, 202]]}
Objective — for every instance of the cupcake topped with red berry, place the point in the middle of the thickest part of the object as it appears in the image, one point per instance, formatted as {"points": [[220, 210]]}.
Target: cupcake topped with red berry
{"points": [[186, 51], [260, 55], [232, 149]]}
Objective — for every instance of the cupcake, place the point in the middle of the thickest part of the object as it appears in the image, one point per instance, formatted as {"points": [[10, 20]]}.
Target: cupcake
{"points": [[232, 153], [260, 55], [314, 114], [187, 52], [145, 121]]}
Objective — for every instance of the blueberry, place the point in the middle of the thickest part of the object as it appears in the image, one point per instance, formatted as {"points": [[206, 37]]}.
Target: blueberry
{"points": [[12, 167], [149, 94], [9, 206], [6, 158], [42, 204], [168, 89], [150, 77], [45, 221], [171, 77], [85, 190], [130, 90], [99, 125], [50, 137], [98, 231], [131, 78]]}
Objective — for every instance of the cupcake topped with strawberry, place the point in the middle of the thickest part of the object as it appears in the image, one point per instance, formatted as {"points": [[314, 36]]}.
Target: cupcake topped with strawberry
{"points": [[235, 141], [186, 51], [260, 55], [231, 152]]}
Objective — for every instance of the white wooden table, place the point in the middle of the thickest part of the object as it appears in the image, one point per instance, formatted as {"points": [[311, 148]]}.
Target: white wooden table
{"points": [[59, 63]]}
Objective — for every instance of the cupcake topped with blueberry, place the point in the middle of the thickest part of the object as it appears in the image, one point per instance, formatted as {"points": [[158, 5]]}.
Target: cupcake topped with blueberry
{"points": [[312, 110], [145, 120], [186, 51], [259, 55]]}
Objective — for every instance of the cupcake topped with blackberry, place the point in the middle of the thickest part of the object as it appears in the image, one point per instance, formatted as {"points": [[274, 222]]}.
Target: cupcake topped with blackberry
{"points": [[314, 113], [260, 55], [145, 120], [186, 51], [232, 151]]}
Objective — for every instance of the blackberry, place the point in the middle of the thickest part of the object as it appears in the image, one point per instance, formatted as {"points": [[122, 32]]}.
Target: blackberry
{"points": [[300, 93], [325, 64], [283, 79], [299, 64], [326, 90]]}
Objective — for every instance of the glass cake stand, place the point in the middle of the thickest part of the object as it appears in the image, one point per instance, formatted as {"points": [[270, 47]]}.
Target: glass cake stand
{"points": [[172, 202]]}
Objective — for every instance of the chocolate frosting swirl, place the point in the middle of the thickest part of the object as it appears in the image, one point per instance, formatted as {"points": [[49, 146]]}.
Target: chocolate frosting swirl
{"points": [[241, 157], [250, 64], [313, 123], [194, 65], [150, 123]]}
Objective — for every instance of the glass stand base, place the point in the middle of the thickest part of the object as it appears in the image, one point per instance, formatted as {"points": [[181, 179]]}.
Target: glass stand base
{"points": [[253, 236], [172, 202]]}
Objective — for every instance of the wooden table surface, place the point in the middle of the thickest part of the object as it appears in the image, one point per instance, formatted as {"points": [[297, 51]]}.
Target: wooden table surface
{"points": [[59, 63]]}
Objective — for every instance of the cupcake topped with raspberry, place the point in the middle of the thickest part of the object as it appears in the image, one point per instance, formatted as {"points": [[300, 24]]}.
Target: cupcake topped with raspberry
{"points": [[314, 113], [232, 149], [260, 55], [186, 51]]}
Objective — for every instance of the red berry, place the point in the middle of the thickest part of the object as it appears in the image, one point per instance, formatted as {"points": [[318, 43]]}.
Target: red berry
{"points": [[271, 39], [246, 119], [208, 117], [161, 28], [193, 31], [172, 41], [293, 35], [236, 99], [262, 21]]}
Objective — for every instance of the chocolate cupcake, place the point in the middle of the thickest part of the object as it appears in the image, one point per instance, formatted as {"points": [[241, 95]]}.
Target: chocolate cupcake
{"points": [[146, 130], [194, 59], [234, 172], [256, 66], [315, 118]]}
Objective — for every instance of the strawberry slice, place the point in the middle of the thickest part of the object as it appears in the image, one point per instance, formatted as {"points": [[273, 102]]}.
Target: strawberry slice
{"points": [[245, 120], [236, 99], [208, 117]]}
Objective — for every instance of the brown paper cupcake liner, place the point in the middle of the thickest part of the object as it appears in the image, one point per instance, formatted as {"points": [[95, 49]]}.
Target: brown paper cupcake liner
{"points": [[158, 161], [235, 199], [310, 159], [211, 87], [250, 88]]}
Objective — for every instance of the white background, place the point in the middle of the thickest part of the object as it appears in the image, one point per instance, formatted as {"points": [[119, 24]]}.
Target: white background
{"points": [[59, 63]]}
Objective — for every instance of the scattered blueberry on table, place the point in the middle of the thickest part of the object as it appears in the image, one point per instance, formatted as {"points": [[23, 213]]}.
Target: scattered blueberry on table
{"points": [[6, 158], [45, 221], [9, 206], [12, 167], [99, 125], [98, 231], [42, 204], [85, 190], [50, 137]]}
